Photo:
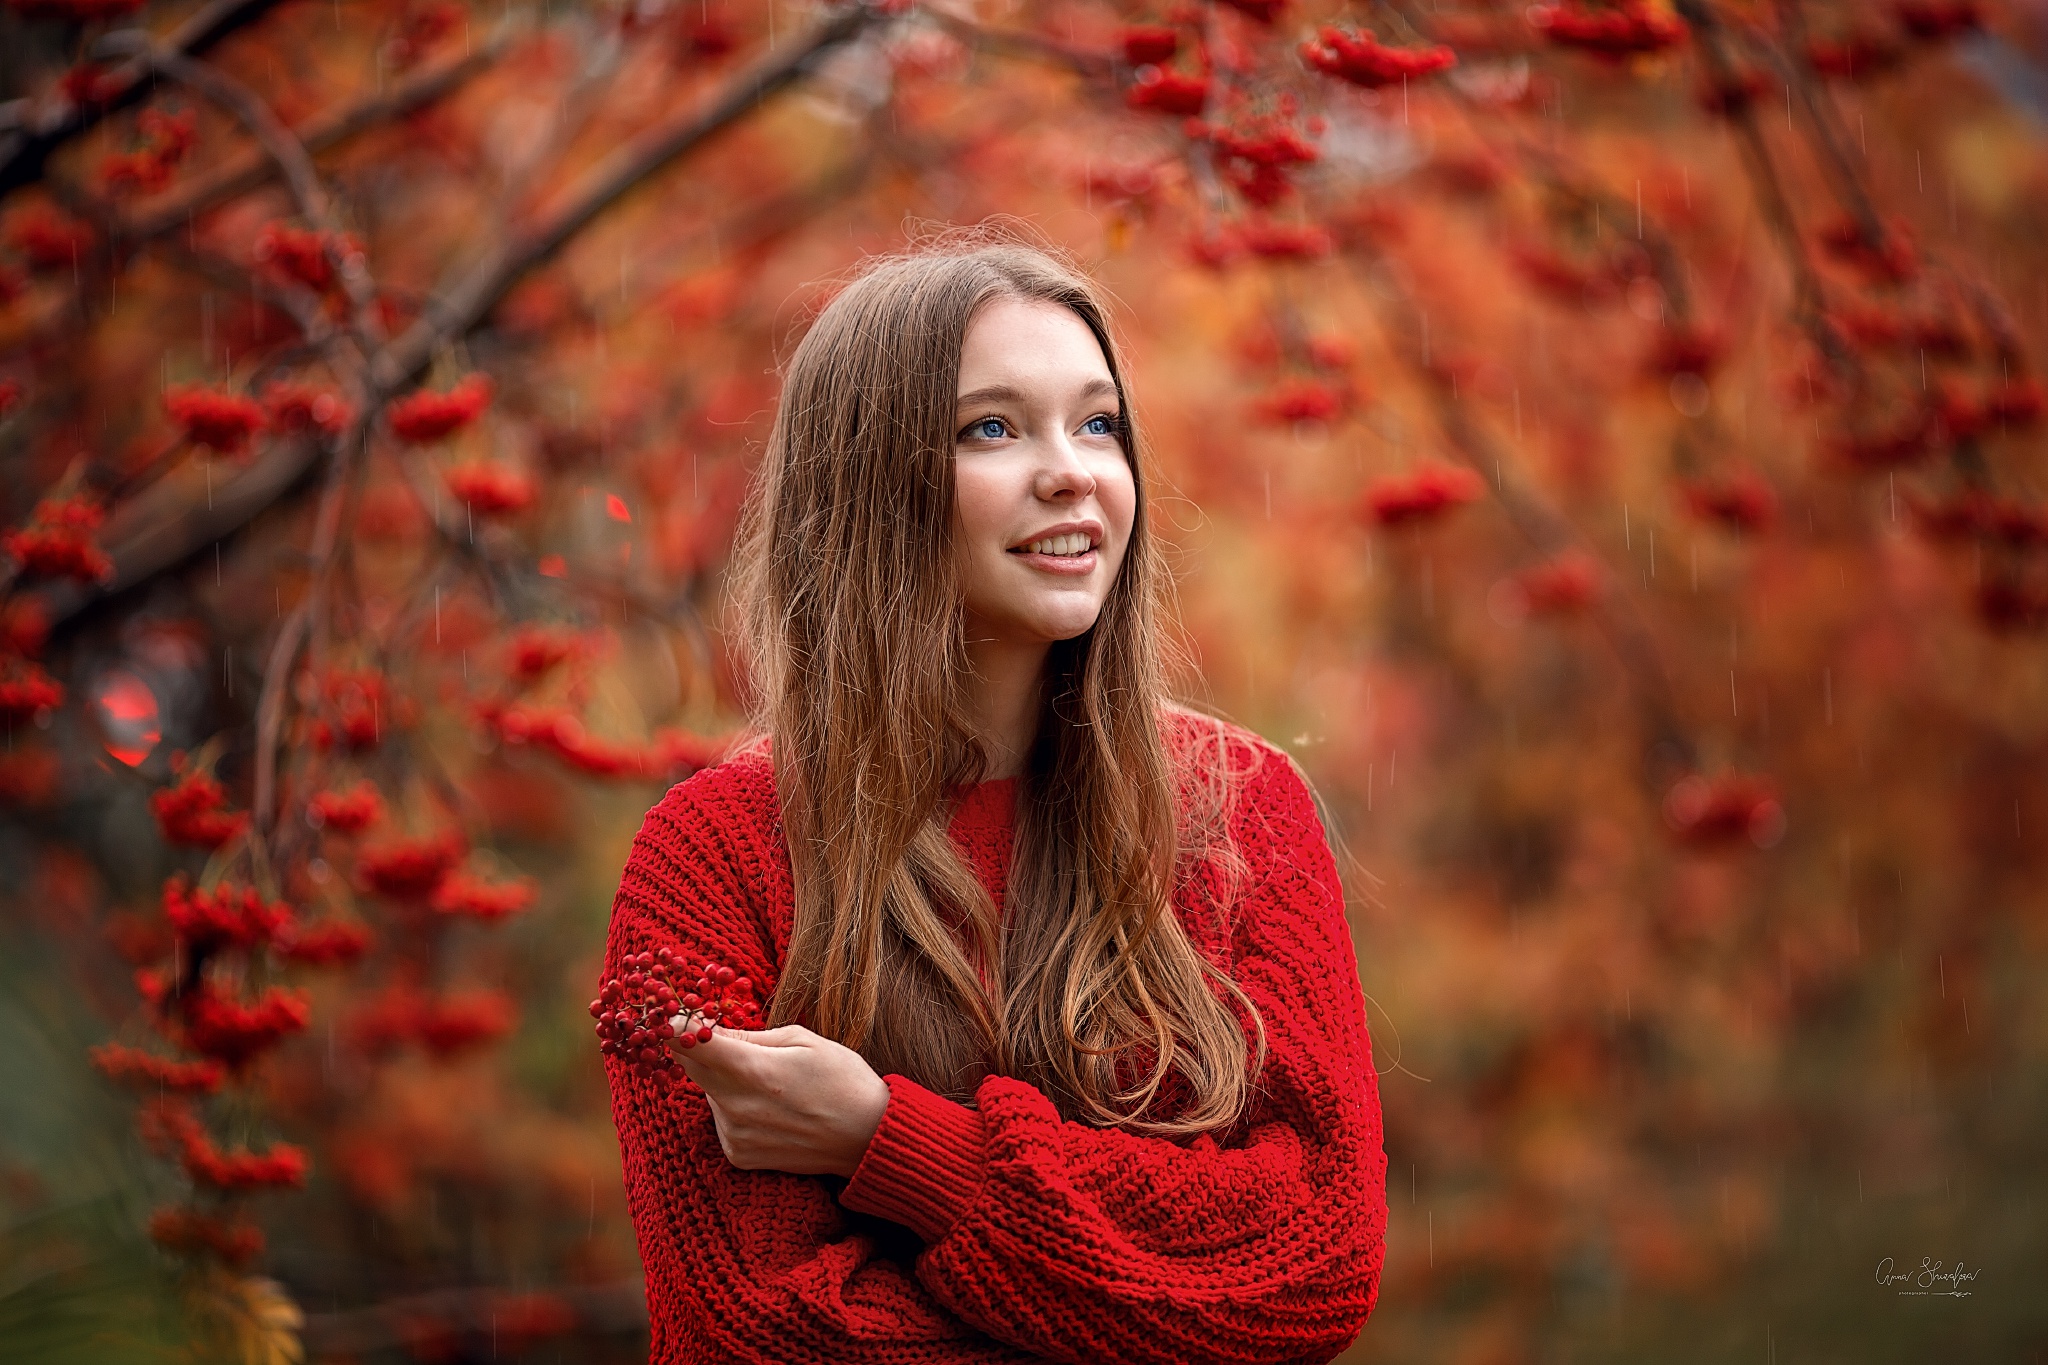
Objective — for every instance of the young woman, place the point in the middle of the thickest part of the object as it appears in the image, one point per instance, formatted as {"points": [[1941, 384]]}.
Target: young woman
{"points": [[1068, 1056]]}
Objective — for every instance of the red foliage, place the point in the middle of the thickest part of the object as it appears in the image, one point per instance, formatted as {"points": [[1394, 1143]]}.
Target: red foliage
{"points": [[1569, 583], [48, 240], [89, 85], [1149, 44], [463, 893], [1857, 55], [192, 812], [334, 943], [535, 650], [1705, 812], [146, 1070], [457, 1023], [425, 24], [1734, 92], [189, 1232], [161, 143], [232, 915], [1933, 21], [1423, 496], [1168, 92], [57, 542], [1572, 281], [1976, 515], [1908, 441], [215, 418], [2009, 604], [235, 1034], [401, 1015], [2017, 402], [423, 417], [360, 705], [1302, 399], [26, 689], [24, 626], [1687, 348], [1261, 11], [1891, 258], [304, 255], [171, 1127], [1286, 241], [1363, 60], [1255, 157], [347, 812], [1741, 501], [1627, 29], [410, 869], [491, 489]]}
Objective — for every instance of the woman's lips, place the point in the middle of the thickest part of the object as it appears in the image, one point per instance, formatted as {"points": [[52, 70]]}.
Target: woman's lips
{"points": [[1082, 563]]}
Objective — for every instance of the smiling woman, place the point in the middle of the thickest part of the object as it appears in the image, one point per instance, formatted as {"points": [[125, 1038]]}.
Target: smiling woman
{"points": [[1068, 1057]]}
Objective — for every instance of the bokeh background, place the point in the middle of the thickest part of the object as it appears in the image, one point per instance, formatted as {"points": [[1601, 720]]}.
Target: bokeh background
{"points": [[1601, 441]]}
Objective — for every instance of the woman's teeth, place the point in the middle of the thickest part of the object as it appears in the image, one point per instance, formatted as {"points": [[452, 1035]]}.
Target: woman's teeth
{"points": [[1071, 544]]}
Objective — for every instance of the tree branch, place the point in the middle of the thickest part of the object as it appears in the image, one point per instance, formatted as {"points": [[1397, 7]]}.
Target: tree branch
{"points": [[25, 150], [245, 173], [160, 528], [284, 150], [472, 297]]}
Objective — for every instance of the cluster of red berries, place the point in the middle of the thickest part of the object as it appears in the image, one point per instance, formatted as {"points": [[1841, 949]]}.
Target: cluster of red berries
{"points": [[215, 418], [57, 542], [162, 139], [639, 1012], [1363, 60], [427, 416]]}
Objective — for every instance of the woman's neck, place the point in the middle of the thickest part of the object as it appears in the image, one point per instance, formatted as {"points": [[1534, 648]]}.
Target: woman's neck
{"points": [[1003, 694]]}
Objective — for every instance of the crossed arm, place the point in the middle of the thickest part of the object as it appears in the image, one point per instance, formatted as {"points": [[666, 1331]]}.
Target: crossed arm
{"points": [[1043, 1239]]}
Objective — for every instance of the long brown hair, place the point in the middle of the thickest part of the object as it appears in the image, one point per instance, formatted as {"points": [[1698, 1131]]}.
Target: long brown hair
{"points": [[1088, 987]]}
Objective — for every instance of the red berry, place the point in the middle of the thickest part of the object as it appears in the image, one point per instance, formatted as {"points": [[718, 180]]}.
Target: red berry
{"points": [[743, 984], [688, 1040], [704, 1034]]}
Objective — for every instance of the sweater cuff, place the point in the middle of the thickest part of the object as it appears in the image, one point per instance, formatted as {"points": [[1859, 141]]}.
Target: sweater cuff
{"points": [[925, 1163]]}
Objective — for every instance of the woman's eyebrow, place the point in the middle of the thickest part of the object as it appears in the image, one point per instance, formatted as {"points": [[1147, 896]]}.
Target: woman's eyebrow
{"points": [[1004, 393]]}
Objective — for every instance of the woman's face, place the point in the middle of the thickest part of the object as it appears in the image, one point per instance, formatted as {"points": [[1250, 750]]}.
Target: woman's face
{"points": [[1043, 497]]}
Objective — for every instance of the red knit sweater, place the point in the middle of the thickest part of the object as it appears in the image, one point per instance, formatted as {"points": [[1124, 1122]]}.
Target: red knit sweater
{"points": [[1002, 1232]]}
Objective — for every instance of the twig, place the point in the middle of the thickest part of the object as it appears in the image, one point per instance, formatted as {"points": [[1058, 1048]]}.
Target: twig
{"points": [[246, 172], [149, 534], [24, 151], [471, 298], [286, 151]]}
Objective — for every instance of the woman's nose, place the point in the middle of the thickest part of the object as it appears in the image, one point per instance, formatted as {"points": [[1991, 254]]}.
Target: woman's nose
{"points": [[1062, 473]]}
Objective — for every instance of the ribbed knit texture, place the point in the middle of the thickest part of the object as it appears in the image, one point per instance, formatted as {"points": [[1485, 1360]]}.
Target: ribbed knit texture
{"points": [[1001, 1232]]}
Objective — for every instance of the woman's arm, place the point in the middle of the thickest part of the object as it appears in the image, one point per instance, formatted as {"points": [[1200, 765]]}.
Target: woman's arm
{"points": [[1084, 1244], [743, 1266]]}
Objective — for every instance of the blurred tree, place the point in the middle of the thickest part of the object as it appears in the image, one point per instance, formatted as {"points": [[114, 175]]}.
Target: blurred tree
{"points": [[1603, 441]]}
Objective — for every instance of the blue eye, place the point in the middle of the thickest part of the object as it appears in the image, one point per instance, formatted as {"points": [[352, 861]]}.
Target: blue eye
{"points": [[1101, 424], [987, 429]]}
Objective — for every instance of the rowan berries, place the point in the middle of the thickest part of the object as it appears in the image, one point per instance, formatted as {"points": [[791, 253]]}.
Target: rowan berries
{"points": [[640, 1010]]}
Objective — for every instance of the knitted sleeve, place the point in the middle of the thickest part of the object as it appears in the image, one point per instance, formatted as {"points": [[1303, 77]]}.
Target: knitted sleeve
{"points": [[743, 1266], [1084, 1244]]}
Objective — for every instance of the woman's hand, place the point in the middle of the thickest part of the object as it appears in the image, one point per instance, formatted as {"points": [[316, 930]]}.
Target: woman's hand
{"points": [[786, 1099]]}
